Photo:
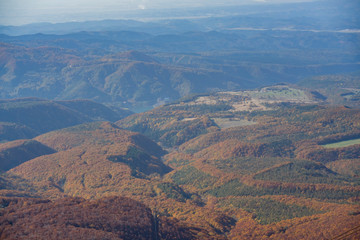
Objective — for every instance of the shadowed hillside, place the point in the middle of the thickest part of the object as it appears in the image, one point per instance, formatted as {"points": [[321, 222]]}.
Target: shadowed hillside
{"points": [[17, 152], [27, 117], [12, 131]]}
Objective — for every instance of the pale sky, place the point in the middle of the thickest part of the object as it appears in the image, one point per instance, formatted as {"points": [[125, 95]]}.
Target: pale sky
{"points": [[18, 12]]}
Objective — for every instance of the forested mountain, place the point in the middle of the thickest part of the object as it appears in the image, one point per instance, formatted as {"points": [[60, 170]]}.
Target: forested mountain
{"points": [[138, 68], [108, 218], [248, 164], [247, 125]]}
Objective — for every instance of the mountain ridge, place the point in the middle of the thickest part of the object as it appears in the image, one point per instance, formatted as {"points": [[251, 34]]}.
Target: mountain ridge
{"points": [[136, 71]]}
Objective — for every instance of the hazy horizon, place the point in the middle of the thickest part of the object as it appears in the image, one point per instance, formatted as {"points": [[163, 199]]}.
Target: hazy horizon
{"points": [[21, 12]]}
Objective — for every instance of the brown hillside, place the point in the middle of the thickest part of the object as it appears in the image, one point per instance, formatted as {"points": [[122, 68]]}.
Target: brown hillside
{"points": [[76, 218], [98, 159], [93, 159], [242, 182]]}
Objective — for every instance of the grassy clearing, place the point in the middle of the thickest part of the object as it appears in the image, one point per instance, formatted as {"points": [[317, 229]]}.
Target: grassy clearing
{"points": [[283, 93], [346, 143], [232, 122]]}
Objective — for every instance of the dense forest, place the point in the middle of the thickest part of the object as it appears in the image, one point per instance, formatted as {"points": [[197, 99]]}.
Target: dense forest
{"points": [[211, 166], [217, 122]]}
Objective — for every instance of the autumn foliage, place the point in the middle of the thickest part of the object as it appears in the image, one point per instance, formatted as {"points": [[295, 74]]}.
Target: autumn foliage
{"points": [[271, 178]]}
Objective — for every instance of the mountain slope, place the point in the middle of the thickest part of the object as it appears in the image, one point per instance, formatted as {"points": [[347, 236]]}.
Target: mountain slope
{"points": [[17, 152], [96, 111], [76, 218], [96, 160], [40, 115], [13, 131], [93, 158]]}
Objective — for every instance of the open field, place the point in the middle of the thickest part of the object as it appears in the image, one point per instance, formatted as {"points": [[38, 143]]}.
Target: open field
{"points": [[232, 122], [342, 143]]}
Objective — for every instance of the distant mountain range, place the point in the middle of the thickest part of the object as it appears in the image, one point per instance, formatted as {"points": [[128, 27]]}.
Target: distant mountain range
{"points": [[140, 65], [99, 66], [312, 15]]}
